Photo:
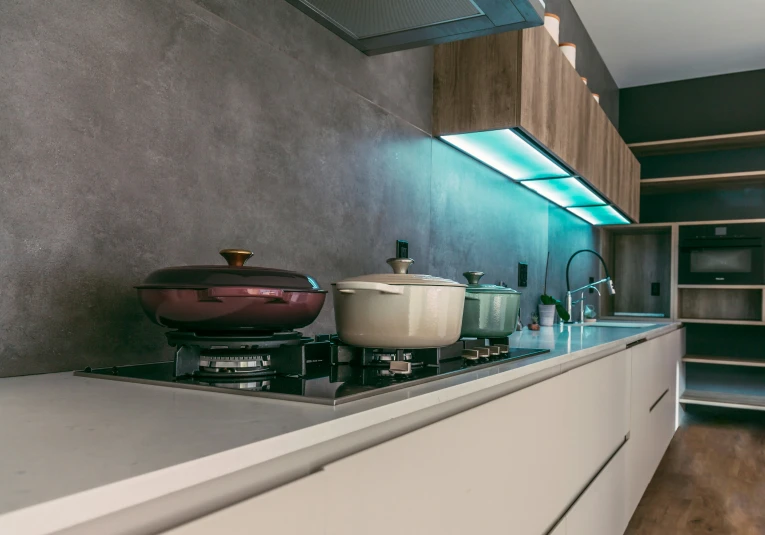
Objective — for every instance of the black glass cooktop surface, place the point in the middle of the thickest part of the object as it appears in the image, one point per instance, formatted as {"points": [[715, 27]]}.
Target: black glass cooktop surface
{"points": [[328, 385]]}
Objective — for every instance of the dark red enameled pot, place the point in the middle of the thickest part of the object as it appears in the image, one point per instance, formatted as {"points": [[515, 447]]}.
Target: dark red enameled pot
{"points": [[230, 298]]}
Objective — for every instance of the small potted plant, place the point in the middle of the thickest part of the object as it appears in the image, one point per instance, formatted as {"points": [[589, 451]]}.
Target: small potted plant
{"points": [[534, 325], [550, 305]]}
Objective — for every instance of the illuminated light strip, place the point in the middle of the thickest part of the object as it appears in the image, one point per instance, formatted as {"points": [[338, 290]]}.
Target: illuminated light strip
{"points": [[508, 153], [565, 192], [599, 215]]}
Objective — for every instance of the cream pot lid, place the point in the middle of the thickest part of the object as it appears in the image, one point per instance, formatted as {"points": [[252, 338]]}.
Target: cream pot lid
{"points": [[474, 286], [401, 277]]}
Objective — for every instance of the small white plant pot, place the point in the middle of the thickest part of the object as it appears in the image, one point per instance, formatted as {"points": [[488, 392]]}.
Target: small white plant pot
{"points": [[546, 315]]}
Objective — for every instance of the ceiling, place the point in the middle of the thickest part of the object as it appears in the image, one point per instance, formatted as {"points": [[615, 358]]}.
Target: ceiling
{"points": [[652, 41]]}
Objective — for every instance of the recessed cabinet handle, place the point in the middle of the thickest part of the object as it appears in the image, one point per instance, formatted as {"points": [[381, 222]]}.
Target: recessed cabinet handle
{"points": [[658, 400], [637, 342]]}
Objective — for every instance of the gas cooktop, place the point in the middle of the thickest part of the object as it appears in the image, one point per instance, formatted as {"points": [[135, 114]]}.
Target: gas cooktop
{"points": [[319, 370]]}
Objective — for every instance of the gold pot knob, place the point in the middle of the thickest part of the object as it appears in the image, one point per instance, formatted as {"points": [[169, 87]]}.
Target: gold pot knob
{"points": [[236, 257], [473, 276], [400, 265]]}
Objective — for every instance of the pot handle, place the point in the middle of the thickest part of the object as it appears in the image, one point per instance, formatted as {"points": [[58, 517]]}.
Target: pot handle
{"points": [[351, 287], [245, 291]]}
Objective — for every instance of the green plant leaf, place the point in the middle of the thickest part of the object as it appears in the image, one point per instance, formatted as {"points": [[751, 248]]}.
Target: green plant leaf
{"points": [[562, 311], [548, 299]]}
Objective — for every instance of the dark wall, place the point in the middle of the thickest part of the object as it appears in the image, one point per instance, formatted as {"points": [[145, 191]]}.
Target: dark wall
{"points": [[713, 105], [704, 205], [588, 61], [707, 106], [139, 134]]}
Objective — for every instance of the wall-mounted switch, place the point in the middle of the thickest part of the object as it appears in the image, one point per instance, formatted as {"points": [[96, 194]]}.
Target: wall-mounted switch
{"points": [[523, 275], [592, 290], [655, 289]]}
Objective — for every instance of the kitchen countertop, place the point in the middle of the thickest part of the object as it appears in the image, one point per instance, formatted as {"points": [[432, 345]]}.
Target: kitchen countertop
{"points": [[77, 448]]}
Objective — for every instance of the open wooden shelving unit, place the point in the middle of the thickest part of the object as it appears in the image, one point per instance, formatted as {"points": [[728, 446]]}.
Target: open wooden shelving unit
{"points": [[671, 252], [720, 381], [739, 140], [746, 303]]}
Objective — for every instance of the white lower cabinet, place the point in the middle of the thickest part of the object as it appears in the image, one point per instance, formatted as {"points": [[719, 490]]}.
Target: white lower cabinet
{"points": [[602, 508], [654, 408], [509, 466], [297, 508], [513, 466]]}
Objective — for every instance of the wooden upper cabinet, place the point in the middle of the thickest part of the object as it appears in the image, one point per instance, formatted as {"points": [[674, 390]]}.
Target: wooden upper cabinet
{"points": [[521, 80]]}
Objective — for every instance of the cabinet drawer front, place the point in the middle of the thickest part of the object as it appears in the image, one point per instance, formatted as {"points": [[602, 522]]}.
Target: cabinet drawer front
{"points": [[654, 370], [602, 508], [513, 465], [600, 413], [497, 468]]}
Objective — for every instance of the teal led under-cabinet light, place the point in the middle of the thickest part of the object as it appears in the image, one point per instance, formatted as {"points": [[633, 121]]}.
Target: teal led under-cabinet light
{"points": [[565, 192], [599, 215], [518, 158], [508, 153]]}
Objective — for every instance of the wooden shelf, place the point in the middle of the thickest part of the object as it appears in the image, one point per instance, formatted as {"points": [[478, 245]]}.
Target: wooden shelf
{"points": [[725, 361], [723, 399], [695, 182], [693, 144], [721, 322]]}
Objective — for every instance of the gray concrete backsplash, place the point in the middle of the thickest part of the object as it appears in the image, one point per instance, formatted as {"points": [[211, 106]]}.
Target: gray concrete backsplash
{"points": [[138, 134]]}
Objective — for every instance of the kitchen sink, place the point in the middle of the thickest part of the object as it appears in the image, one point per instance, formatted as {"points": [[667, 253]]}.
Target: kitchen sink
{"points": [[627, 324]]}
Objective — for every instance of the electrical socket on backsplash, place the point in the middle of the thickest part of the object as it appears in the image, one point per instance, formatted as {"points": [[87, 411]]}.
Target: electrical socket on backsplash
{"points": [[592, 290], [523, 274]]}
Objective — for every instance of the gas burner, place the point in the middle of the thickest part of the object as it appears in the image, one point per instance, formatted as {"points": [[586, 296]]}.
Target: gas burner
{"points": [[234, 363], [241, 355], [239, 384]]}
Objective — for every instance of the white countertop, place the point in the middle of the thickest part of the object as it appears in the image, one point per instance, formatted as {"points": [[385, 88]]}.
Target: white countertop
{"points": [[76, 448]]}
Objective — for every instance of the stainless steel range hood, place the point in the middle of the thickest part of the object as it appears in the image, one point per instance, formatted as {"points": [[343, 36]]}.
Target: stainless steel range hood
{"points": [[380, 26]]}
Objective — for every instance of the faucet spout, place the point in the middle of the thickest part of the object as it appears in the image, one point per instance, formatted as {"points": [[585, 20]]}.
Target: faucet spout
{"points": [[569, 292]]}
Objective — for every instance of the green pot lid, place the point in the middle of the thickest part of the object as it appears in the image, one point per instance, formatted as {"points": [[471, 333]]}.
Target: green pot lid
{"points": [[474, 286]]}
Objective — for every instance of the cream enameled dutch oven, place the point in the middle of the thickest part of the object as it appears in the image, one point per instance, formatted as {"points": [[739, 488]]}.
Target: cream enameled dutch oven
{"points": [[398, 310], [490, 311]]}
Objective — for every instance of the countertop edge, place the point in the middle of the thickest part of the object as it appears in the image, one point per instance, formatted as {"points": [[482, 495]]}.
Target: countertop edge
{"points": [[143, 503]]}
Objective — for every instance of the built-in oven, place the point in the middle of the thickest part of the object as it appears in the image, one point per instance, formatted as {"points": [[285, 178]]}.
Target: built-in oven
{"points": [[722, 254]]}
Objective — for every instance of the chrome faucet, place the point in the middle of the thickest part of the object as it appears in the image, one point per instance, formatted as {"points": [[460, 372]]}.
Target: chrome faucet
{"points": [[569, 292]]}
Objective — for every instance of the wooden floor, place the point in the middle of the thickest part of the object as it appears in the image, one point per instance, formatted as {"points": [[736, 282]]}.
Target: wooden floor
{"points": [[711, 480]]}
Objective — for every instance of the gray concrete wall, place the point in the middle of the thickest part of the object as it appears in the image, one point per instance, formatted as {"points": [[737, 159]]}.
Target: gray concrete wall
{"points": [[138, 134]]}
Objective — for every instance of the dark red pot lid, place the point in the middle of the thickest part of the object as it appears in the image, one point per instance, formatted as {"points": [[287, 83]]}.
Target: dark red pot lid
{"points": [[234, 274]]}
